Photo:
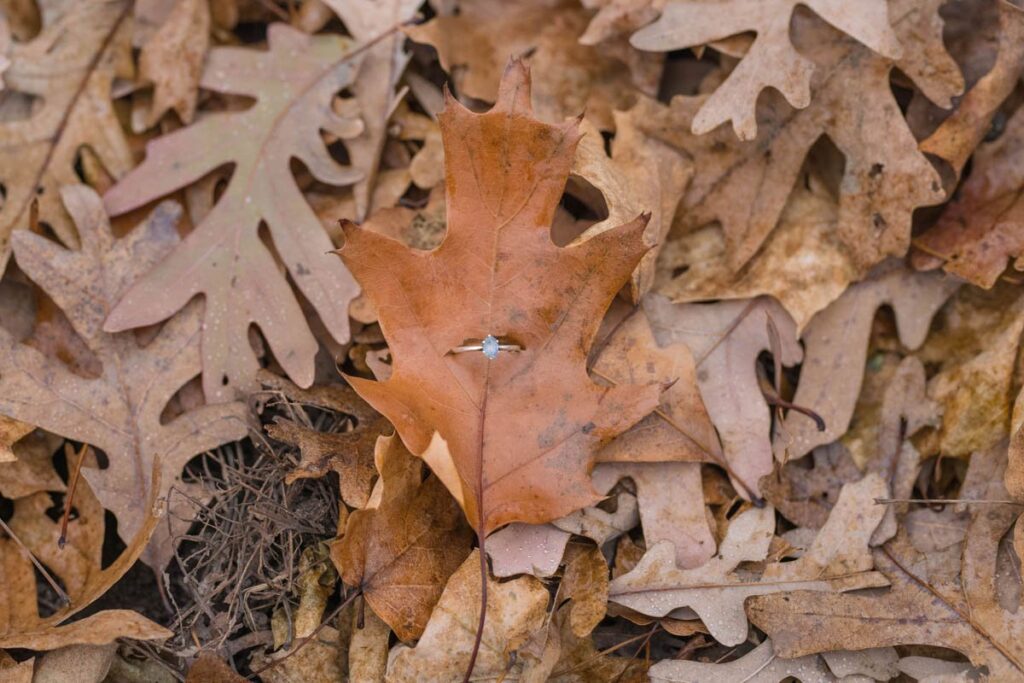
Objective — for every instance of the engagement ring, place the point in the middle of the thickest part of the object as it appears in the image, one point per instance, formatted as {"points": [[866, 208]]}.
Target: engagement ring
{"points": [[490, 346]]}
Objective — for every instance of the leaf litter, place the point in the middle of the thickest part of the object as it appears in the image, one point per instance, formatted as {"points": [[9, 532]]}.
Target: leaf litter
{"points": [[753, 269]]}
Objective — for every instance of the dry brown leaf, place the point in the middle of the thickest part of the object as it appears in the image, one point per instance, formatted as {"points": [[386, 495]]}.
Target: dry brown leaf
{"points": [[802, 262], [79, 568], [515, 610], [81, 663], [368, 650], [641, 174], [350, 453], [374, 88], [836, 342], [726, 339], [570, 78], [172, 60], [401, 552], [980, 229], [671, 502], [906, 409], [772, 60], [617, 17], [96, 629], [959, 135], [10, 432], [585, 584], [966, 617], [120, 411], [1014, 477], [885, 177], [71, 79], [931, 670], [537, 549], [467, 415], [839, 560], [760, 665], [534, 549], [681, 429], [347, 453], [975, 345], [209, 668], [224, 258], [32, 470], [805, 491]]}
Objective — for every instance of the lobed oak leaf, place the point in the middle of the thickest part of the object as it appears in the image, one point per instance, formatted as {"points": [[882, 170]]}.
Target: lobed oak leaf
{"points": [[569, 77], [641, 174], [671, 503], [975, 346], [836, 343], [402, 550], [802, 263], [172, 60], [726, 338], [224, 258], [71, 80], [981, 229], [78, 566], [513, 439], [772, 60], [515, 611], [760, 665], [379, 71], [119, 411], [680, 429], [965, 615], [885, 176], [349, 453], [838, 560], [585, 584]]}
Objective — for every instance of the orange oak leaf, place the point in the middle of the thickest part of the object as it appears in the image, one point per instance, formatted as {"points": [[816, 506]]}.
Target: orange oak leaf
{"points": [[224, 258], [513, 438]]}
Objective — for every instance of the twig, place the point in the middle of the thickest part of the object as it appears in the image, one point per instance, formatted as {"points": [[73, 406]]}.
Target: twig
{"points": [[38, 565], [72, 487], [945, 501]]}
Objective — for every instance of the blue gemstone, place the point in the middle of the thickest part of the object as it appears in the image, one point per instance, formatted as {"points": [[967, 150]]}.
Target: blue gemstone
{"points": [[490, 347]]}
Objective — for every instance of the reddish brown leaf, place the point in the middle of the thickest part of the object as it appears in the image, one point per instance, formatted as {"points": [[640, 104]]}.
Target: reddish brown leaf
{"points": [[513, 438], [402, 550]]}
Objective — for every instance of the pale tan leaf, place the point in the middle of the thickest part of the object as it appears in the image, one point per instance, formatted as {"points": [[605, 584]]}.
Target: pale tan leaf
{"points": [[726, 339], [839, 560], [515, 610], [836, 342], [772, 61], [72, 79], [172, 60], [224, 258], [120, 411]]}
